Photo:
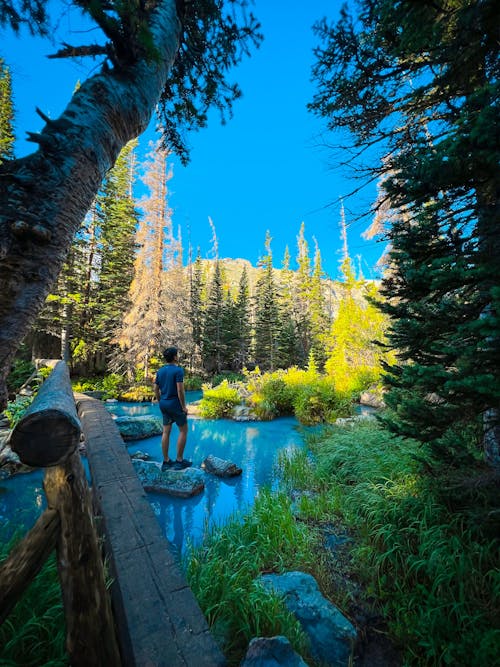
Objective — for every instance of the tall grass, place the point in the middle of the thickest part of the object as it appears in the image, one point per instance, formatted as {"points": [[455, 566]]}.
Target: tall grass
{"points": [[426, 547], [33, 635], [223, 571]]}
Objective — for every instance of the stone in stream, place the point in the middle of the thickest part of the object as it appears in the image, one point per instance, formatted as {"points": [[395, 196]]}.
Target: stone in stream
{"points": [[179, 483], [272, 652], [138, 428], [331, 634], [220, 467]]}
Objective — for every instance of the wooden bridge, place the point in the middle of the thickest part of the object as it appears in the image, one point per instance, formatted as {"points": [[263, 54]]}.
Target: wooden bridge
{"points": [[150, 618]]}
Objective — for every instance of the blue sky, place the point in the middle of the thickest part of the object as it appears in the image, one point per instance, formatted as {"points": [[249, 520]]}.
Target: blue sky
{"points": [[264, 170]]}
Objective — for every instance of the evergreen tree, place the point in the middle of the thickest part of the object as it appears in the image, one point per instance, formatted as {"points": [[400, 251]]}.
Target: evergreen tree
{"points": [[196, 310], [430, 72], [302, 296], [320, 322], [266, 314], [242, 321], [213, 338], [288, 346], [118, 220], [6, 114]]}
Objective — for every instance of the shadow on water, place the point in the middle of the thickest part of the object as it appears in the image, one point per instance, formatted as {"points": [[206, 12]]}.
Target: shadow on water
{"points": [[253, 446]]}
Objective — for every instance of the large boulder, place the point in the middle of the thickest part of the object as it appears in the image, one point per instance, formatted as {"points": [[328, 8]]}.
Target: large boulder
{"points": [[271, 652], [220, 467], [180, 483], [372, 398], [138, 428], [331, 634]]}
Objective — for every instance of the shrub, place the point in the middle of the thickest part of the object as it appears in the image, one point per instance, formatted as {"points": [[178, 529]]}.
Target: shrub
{"points": [[229, 376], [16, 409], [218, 401], [20, 372], [318, 402], [141, 393], [193, 382]]}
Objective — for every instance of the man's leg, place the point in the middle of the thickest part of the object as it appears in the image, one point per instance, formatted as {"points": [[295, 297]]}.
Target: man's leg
{"points": [[165, 440], [181, 441]]}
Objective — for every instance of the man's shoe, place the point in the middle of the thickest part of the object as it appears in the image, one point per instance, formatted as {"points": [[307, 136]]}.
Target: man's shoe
{"points": [[166, 465], [181, 465]]}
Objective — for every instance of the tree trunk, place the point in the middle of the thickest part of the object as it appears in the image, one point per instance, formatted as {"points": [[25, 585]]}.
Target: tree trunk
{"points": [[45, 196]]}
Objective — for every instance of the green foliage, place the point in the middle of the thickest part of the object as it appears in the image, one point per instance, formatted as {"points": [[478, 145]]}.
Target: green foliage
{"points": [[421, 80], [16, 409], [34, 633], [6, 112], [218, 402], [319, 402], [307, 394], [193, 382], [427, 546], [21, 371], [222, 574], [140, 393], [113, 385], [228, 376]]}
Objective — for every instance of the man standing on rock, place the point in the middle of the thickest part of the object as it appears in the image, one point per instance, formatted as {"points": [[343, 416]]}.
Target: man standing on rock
{"points": [[169, 392]]}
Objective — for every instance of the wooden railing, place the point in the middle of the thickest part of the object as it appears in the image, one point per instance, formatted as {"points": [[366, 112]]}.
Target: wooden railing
{"points": [[48, 436], [153, 619]]}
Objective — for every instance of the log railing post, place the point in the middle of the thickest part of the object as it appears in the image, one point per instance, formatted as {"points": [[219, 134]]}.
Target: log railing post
{"points": [[47, 436]]}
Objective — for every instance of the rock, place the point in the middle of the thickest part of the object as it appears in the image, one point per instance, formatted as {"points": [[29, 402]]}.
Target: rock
{"points": [[271, 652], [9, 460], [242, 413], [372, 398], [179, 483], [138, 428], [331, 634], [140, 456], [94, 394], [220, 467]]}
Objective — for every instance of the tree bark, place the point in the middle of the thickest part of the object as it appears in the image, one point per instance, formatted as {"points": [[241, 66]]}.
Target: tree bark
{"points": [[49, 431], [45, 196], [90, 633]]}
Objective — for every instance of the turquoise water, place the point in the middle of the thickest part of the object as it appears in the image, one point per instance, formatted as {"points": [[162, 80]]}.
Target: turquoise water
{"points": [[253, 446]]}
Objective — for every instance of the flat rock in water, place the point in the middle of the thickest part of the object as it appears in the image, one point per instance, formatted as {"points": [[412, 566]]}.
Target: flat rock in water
{"points": [[220, 467], [178, 483], [330, 633], [272, 652], [138, 428]]}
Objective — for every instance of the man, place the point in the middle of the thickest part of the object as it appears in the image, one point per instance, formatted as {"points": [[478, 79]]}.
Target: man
{"points": [[169, 392]]}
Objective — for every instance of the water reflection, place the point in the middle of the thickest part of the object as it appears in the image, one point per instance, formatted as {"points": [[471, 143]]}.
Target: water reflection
{"points": [[253, 446]]}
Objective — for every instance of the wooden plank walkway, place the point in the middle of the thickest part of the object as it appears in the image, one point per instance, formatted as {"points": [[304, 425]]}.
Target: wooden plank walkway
{"points": [[159, 622]]}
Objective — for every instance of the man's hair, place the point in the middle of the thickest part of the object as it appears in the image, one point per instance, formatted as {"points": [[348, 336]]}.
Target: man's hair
{"points": [[170, 353]]}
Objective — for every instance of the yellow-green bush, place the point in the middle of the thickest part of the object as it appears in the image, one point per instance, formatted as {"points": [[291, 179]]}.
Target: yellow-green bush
{"points": [[218, 401]]}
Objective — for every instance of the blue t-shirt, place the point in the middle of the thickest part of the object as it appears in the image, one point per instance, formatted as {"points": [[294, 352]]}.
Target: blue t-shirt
{"points": [[167, 378]]}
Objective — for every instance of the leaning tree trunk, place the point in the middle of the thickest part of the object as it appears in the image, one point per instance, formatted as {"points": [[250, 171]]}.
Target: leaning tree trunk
{"points": [[44, 197]]}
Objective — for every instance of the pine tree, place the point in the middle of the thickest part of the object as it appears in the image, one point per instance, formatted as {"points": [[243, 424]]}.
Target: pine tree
{"points": [[320, 322], [242, 320], [6, 114], [430, 72], [213, 328], [196, 308], [266, 314], [118, 219]]}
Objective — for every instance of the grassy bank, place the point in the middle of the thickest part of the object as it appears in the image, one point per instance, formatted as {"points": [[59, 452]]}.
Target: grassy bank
{"points": [[425, 548], [34, 633]]}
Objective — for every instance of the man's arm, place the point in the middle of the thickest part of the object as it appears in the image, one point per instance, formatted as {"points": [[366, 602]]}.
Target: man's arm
{"points": [[157, 392], [182, 396]]}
